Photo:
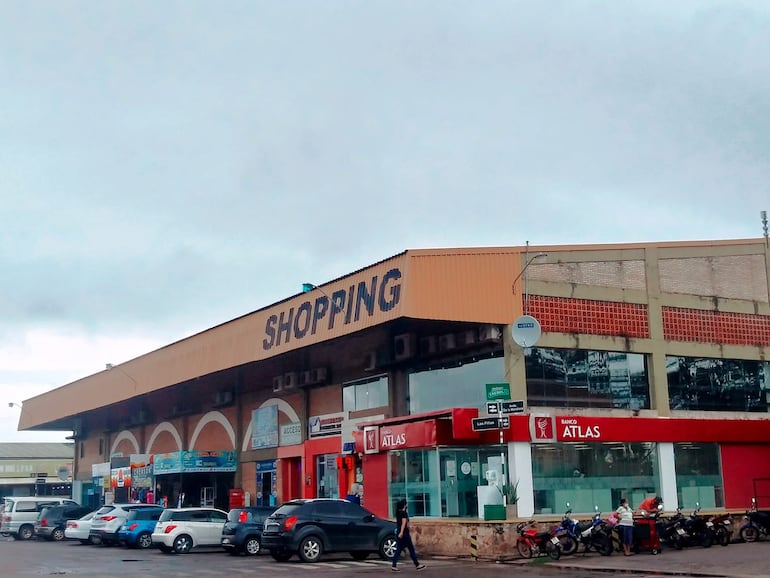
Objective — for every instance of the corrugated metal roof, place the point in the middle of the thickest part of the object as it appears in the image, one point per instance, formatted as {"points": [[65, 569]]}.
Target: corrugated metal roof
{"points": [[36, 450]]}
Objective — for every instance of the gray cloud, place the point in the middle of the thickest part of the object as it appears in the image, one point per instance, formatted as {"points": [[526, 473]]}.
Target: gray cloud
{"points": [[177, 164]]}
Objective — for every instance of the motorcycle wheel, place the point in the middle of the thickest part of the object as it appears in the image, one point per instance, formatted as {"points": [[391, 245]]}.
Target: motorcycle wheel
{"points": [[553, 550], [524, 550], [603, 544], [678, 544], [722, 536], [707, 539], [749, 534], [568, 544]]}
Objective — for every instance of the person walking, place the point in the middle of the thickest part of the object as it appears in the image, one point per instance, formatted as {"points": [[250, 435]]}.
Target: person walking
{"points": [[404, 537], [625, 525]]}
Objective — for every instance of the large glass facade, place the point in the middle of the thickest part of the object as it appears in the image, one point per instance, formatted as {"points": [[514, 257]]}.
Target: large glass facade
{"points": [[439, 482], [582, 378], [698, 475], [592, 474], [365, 393], [698, 383], [458, 385]]}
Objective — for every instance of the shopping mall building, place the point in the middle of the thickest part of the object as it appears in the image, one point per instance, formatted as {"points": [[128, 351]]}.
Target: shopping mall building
{"points": [[650, 376]]}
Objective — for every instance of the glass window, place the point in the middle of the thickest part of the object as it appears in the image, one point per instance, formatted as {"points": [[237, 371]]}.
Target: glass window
{"points": [[442, 481], [592, 474], [458, 385], [581, 378], [698, 475], [698, 383], [326, 470], [365, 394]]}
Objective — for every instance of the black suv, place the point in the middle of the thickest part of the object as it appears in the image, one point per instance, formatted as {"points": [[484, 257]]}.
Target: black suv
{"points": [[311, 527], [242, 533], [52, 520]]}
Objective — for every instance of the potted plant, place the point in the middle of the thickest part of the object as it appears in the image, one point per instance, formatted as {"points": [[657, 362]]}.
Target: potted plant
{"points": [[511, 500]]}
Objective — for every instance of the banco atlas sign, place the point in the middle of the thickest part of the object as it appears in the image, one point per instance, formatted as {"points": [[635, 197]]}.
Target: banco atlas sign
{"points": [[547, 428]]}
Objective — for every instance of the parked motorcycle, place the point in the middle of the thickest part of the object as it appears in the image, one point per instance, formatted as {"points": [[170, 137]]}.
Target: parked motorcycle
{"points": [[532, 543], [593, 535], [693, 530], [757, 525], [722, 527]]}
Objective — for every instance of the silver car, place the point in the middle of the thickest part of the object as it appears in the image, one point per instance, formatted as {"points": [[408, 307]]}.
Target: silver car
{"points": [[108, 520]]}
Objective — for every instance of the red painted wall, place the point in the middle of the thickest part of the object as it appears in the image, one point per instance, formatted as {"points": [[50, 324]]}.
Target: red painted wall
{"points": [[741, 464], [376, 484]]}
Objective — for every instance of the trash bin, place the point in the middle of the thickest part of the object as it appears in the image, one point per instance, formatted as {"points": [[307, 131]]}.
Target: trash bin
{"points": [[494, 512]]}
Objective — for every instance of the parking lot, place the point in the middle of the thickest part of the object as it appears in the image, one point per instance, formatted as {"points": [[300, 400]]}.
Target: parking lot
{"points": [[42, 558]]}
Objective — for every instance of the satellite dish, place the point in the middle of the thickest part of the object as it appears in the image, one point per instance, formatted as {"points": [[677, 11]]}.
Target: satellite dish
{"points": [[526, 331]]}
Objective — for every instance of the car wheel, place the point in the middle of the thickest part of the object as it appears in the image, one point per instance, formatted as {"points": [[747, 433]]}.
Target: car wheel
{"points": [[279, 556], [388, 547], [310, 549], [94, 540], [144, 540], [183, 544], [165, 549], [359, 555], [26, 532], [252, 546], [57, 535]]}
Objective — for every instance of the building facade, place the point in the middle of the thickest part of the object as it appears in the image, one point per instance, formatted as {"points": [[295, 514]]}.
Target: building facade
{"points": [[650, 377], [35, 469]]}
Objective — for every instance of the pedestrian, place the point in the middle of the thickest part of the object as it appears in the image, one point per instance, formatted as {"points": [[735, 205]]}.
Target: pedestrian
{"points": [[404, 538], [625, 525], [354, 495], [650, 506]]}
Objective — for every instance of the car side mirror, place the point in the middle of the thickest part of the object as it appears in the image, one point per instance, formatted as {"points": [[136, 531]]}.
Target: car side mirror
{"points": [[369, 518]]}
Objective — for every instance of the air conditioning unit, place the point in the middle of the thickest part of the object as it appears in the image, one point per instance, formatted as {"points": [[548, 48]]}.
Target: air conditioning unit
{"points": [[222, 398], [141, 417], [465, 338], [318, 375], [446, 342], [428, 345], [403, 346], [370, 361], [290, 380], [278, 383], [489, 333], [305, 378]]}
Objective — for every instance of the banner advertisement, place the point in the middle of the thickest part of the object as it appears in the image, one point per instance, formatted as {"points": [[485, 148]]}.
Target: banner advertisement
{"points": [[264, 430]]}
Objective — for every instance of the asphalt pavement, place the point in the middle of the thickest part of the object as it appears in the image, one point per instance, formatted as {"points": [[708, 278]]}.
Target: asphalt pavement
{"points": [[738, 560]]}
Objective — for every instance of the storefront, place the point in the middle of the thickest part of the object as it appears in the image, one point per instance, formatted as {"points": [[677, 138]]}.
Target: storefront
{"points": [[195, 478], [432, 462]]}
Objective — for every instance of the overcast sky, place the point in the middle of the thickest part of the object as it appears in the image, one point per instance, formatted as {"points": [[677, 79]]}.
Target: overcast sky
{"points": [[167, 166]]}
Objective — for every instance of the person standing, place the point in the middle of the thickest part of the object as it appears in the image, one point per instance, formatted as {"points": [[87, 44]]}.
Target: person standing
{"points": [[404, 538], [625, 525]]}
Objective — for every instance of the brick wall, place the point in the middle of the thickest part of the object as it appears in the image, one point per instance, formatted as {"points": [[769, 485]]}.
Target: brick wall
{"points": [[715, 327], [566, 315]]}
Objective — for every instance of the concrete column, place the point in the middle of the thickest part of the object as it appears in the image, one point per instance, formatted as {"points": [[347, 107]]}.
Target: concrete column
{"points": [[520, 470], [657, 361], [667, 476]]}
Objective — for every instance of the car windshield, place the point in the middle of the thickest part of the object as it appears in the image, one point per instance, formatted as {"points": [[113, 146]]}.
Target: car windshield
{"points": [[104, 510]]}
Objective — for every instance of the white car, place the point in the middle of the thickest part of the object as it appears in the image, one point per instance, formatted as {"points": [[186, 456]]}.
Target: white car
{"points": [[179, 530], [79, 529]]}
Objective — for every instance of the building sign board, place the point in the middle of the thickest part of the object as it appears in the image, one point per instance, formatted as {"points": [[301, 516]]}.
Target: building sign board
{"points": [[498, 391], [329, 424]]}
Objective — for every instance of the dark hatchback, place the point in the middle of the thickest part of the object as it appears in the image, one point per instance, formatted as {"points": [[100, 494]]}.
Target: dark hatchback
{"points": [[309, 528], [52, 520], [242, 533]]}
